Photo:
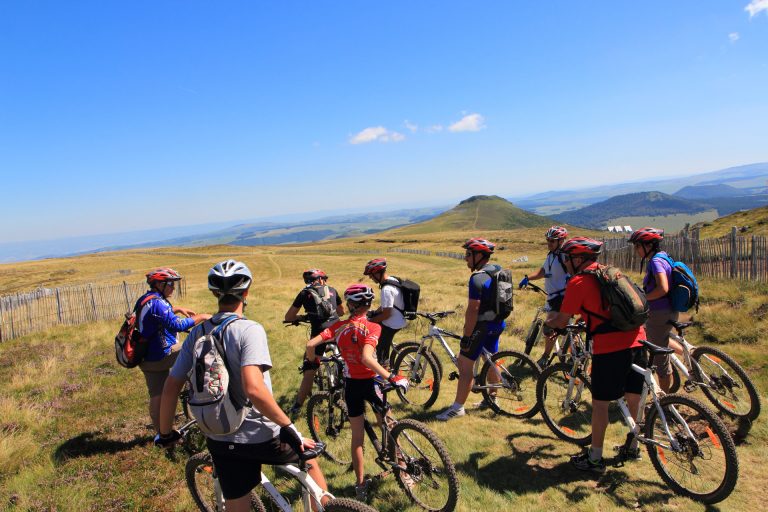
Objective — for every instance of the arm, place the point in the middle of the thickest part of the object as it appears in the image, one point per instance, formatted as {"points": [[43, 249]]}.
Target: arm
{"points": [[173, 323], [560, 321], [470, 316], [369, 360], [183, 311], [662, 287], [383, 314], [168, 402], [311, 344], [292, 314], [538, 275]]}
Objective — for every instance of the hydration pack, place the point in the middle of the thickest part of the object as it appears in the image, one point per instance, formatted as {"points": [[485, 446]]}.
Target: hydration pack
{"points": [[216, 410], [410, 292], [130, 346], [500, 303], [324, 306], [683, 289], [623, 298]]}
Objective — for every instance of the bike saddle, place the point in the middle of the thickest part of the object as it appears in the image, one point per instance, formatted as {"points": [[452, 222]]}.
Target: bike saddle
{"points": [[679, 325], [313, 453], [655, 349]]}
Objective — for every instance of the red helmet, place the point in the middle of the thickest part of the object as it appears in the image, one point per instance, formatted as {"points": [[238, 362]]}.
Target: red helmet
{"points": [[556, 233], [359, 293], [374, 266], [582, 246], [479, 245], [646, 236], [313, 274], [163, 274]]}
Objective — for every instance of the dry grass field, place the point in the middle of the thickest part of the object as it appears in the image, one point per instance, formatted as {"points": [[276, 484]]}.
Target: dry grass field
{"points": [[73, 426]]}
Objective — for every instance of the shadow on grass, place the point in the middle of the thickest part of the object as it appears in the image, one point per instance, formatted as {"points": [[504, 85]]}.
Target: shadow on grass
{"points": [[94, 443]]}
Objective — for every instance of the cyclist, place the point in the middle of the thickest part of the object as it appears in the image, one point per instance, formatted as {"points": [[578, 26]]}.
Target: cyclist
{"points": [[614, 351], [324, 307], [481, 328], [267, 435], [658, 275], [356, 338], [390, 312], [158, 323], [555, 278]]}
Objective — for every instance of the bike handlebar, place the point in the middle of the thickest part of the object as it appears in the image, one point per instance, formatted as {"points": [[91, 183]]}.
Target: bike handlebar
{"points": [[299, 320], [534, 288], [435, 316]]}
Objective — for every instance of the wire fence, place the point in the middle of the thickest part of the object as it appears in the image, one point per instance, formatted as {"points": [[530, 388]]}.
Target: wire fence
{"points": [[30, 312]]}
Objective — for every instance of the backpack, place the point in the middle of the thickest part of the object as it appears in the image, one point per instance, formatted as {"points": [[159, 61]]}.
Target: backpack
{"points": [[500, 304], [217, 411], [684, 289], [410, 292], [623, 298], [324, 307], [130, 346]]}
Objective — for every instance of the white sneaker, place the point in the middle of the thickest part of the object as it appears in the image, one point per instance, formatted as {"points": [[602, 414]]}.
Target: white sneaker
{"points": [[450, 413]]}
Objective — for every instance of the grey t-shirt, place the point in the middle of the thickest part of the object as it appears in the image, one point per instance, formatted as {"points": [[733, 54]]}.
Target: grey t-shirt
{"points": [[245, 343]]}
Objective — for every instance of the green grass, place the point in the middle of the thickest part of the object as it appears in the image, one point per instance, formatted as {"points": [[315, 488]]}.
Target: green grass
{"points": [[73, 424], [756, 219]]}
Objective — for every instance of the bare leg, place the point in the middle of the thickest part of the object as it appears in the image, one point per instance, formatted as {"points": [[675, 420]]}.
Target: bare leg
{"points": [[305, 389], [465, 379], [358, 433], [599, 422], [154, 411]]}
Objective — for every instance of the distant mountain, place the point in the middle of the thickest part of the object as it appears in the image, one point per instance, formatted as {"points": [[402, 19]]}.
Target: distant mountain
{"points": [[478, 213], [639, 204], [749, 222], [707, 191]]}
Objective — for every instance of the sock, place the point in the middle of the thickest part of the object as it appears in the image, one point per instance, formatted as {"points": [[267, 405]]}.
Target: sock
{"points": [[457, 406], [595, 454]]}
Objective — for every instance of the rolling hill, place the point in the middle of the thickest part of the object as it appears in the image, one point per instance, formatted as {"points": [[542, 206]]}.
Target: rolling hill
{"points": [[750, 222], [477, 213]]}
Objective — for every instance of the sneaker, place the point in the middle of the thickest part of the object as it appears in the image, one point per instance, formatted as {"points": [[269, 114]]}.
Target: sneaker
{"points": [[584, 463], [450, 413], [361, 491], [628, 454], [485, 404]]}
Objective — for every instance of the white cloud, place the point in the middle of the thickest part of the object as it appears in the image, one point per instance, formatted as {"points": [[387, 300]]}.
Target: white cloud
{"points": [[756, 6], [435, 128], [376, 134], [469, 123], [411, 127], [733, 36]]}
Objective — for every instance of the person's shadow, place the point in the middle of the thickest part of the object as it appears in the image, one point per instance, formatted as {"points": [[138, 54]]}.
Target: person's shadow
{"points": [[94, 443]]}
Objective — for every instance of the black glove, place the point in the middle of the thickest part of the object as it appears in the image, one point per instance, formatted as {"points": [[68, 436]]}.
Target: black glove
{"points": [[308, 365], [167, 440], [292, 437]]}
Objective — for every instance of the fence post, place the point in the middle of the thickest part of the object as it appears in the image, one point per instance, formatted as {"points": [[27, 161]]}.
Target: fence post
{"points": [[1, 319], [93, 302], [733, 252], [58, 306], [125, 292], [753, 258]]}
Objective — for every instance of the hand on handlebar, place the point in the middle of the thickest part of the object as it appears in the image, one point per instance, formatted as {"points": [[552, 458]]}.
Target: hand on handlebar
{"points": [[167, 440], [523, 283], [399, 381]]}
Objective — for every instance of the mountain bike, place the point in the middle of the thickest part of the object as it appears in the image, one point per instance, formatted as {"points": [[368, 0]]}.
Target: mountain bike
{"points": [[324, 375], [536, 332], [506, 379], [203, 483], [722, 380], [407, 448]]}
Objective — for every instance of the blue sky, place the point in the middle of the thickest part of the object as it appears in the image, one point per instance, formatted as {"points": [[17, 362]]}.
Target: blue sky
{"points": [[118, 116]]}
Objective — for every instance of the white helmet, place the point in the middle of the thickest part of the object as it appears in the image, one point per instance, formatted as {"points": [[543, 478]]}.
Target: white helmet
{"points": [[229, 277]]}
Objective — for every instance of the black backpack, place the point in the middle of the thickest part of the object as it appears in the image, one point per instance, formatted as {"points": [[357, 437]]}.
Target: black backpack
{"points": [[324, 306], [410, 292], [500, 303]]}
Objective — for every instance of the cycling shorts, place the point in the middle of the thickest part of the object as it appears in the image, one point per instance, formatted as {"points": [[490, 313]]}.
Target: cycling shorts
{"points": [[485, 336], [612, 374], [320, 349], [359, 391], [554, 304], [239, 465]]}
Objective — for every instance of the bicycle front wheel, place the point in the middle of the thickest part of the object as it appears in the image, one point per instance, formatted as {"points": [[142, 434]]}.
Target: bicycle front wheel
{"points": [[201, 481], [533, 336], [423, 376], [508, 382], [426, 472], [702, 467], [347, 505], [328, 422], [565, 401], [727, 385]]}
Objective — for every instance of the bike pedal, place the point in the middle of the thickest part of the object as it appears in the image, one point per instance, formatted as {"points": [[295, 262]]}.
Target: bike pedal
{"points": [[689, 387], [453, 376]]}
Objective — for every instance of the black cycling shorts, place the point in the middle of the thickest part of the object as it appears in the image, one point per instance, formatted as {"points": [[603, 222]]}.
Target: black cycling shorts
{"points": [[482, 337], [239, 465], [612, 374], [555, 303], [359, 391]]}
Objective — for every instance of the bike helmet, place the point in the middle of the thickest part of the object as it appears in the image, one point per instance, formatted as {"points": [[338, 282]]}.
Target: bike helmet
{"points": [[359, 293], [556, 233], [582, 246], [163, 274], [313, 274], [374, 266], [646, 236], [229, 277], [479, 245]]}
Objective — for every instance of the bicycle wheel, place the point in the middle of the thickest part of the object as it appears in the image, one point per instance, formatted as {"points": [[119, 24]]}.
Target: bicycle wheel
{"points": [[328, 422], [533, 336], [201, 481], [411, 343], [674, 386], [423, 379], [347, 505], [729, 387], [514, 391], [565, 402], [427, 474], [705, 467]]}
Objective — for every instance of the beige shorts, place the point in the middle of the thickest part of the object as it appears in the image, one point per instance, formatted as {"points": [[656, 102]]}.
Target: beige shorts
{"points": [[657, 331], [155, 372]]}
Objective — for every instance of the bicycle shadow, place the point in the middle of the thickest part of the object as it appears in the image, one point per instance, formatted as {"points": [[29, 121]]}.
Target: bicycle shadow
{"points": [[88, 444]]}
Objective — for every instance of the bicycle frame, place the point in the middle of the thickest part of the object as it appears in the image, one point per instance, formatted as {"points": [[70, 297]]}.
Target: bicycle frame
{"points": [[310, 491], [436, 333], [686, 365]]}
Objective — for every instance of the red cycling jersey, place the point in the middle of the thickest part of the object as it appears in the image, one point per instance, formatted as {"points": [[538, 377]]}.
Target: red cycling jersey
{"points": [[583, 293], [350, 336]]}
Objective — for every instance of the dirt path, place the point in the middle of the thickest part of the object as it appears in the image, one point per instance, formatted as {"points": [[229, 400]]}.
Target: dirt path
{"points": [[477, 214], [276, 265]]}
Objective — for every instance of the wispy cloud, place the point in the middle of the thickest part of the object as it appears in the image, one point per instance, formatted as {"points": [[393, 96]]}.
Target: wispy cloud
{"points": [[376, 134], [756, 6], [413, 128], [435, 128], [733, 37], [469, 123]]}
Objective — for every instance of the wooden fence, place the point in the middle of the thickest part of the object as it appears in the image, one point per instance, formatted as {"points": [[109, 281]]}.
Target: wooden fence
{"points": [[43, 308], [731, 257]]}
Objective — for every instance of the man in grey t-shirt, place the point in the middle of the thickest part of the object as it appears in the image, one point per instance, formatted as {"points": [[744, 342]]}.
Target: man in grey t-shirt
{"points": [[267, 435]]}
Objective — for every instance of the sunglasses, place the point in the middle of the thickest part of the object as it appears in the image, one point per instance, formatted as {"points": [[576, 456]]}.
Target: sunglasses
{"points": [[170, 283]]}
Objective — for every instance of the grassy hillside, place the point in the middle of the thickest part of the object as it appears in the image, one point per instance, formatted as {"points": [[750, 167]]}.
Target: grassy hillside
{"points": [[755, 221], [477, 213], [73, 432]]}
